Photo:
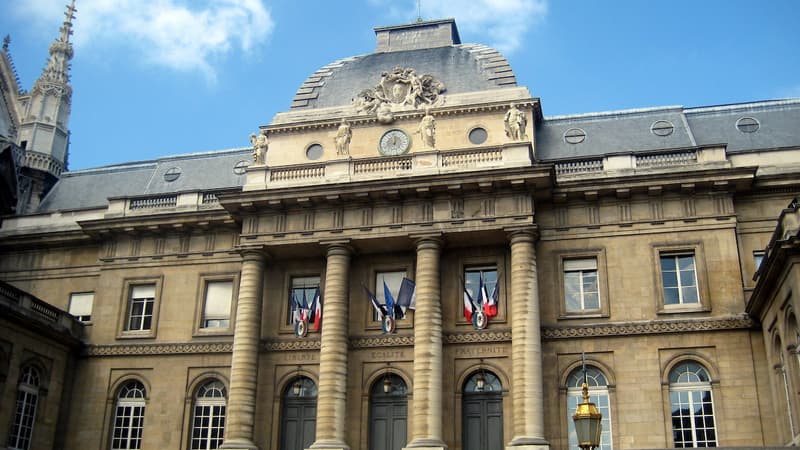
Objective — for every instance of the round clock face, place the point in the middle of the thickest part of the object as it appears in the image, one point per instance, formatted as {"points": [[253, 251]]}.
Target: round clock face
{"points": [[394, 142]]}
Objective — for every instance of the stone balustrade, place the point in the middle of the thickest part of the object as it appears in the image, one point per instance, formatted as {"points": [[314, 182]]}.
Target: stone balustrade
{"points": [[434, 162], [152, 204]]}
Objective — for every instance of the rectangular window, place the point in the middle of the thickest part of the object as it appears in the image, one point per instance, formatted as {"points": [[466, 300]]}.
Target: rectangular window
{"points": [[581, 289], [474, 277], [217, 304], [301, 295], [80, 306], [679, 279], [758, 257], [392, 280], [140, 307]]}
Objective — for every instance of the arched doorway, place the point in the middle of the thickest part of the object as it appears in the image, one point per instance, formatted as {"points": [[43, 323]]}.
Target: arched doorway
{"points": [[299, 414], [482, 412], [388, 413]]}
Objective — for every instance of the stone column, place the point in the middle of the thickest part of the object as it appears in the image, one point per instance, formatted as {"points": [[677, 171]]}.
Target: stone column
{"points": [[426, 430], [331, 397], [526, 345], [244, 361]]}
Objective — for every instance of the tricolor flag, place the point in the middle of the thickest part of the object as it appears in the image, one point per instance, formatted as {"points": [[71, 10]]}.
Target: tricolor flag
{"points": [[469, 305], [380, 309], [316, 311], [490, 307], [295, 307], [407, 297], [390, 303]]}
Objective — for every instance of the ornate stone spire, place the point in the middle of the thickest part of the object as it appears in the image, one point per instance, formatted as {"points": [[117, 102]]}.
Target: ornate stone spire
{"points": [[44, 132], [57, 70]]}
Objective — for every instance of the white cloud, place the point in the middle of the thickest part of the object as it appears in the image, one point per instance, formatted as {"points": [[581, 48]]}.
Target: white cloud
{"points": [[503, 22], [183, 35]]}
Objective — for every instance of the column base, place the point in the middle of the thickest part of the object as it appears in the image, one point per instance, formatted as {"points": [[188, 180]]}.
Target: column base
{"points": [[528, 443], [329, 444], [238, 444], [425, 444]]}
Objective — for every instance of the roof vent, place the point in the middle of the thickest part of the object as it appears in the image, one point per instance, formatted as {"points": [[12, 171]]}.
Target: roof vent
{"points": [[172, 174], [662, 128], [574, 136], [414, 36], [747, 125]]}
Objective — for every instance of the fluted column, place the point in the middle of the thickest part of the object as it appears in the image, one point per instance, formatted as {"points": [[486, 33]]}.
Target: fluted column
{"points": [[331, 397], [427, 410], [526, 345], [244, 361]]}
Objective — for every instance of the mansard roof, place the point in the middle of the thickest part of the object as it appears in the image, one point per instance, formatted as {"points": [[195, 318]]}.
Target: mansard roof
{"points": [[91, 188], [431, 48], [637, 130]]}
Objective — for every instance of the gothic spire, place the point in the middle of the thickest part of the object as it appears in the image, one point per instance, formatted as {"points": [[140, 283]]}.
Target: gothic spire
{"points": [[57, 70]]}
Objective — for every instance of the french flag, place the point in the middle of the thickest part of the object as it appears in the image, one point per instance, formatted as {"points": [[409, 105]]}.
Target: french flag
{"points": [[407, 297], [490, 307], [316, 311], [378, 307], [469, 305]]}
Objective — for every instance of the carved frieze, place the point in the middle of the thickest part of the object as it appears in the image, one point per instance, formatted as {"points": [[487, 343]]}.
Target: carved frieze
{"points": [[400, 89], [157, 349]]}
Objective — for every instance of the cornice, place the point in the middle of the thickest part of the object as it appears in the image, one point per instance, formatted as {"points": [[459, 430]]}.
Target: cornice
{"points": [[291, 345], [399, 116], [741, 322], [391, 340], [475, 337], [158, 349]]}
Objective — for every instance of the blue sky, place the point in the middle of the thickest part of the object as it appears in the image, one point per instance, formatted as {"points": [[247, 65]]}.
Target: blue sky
{"points": [[161, 77]]}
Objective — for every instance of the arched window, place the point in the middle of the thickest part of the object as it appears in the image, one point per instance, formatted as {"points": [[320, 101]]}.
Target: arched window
{"points": [[692, 406], [598, 394], [25, 413], [482, 412], [208, 418], [126, 433]]}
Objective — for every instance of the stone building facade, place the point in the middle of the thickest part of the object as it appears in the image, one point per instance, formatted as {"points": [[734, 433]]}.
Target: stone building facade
{"points": [[624, 241]]}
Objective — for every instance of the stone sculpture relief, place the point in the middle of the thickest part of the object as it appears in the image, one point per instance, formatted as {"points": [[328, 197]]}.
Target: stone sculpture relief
{"points": [[516, 122], [399, 89], [343, 136], [427, 129], [260, 147]]}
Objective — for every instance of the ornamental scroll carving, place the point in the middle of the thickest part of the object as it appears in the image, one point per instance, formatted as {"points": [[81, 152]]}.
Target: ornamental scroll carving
{"points": [[402, 88]]}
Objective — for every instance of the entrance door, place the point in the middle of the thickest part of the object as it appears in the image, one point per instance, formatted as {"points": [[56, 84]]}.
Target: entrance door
{"points": [[482, 412], [299, 415], [388, 414]]}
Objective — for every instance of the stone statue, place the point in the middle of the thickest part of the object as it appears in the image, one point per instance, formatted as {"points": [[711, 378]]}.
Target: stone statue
{"points": [[260, 147], [343, 136], [516, 122], [427, 129], [384, 113]]}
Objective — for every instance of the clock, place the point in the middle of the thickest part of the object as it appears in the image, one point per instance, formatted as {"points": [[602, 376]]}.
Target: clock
{"points": [[394, 142]]}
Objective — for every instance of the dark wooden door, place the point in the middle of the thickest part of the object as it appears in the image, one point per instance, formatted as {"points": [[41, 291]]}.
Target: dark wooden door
{"points": [[388, 415], [482, 413], [299, 416]]}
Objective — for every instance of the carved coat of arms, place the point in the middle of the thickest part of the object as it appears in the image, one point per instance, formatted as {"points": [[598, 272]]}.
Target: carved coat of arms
{"points": [[399, 89]]}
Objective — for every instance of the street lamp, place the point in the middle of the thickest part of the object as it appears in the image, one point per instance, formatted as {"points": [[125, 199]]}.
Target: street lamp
{"points": [[587, 418]]}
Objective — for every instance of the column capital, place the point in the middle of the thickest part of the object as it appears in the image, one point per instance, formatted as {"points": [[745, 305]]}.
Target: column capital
{"points": [[254, 254], [338, 247], [428, 241], [522, 234]]}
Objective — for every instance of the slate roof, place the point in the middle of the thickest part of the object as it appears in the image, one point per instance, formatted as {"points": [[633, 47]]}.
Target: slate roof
{"points": [[631, 131], [462, 68], [91, 188]]}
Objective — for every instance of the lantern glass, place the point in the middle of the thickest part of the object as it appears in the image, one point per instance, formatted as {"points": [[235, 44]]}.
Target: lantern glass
{"points": [[296, 387], [387, 384], [480, 382]]}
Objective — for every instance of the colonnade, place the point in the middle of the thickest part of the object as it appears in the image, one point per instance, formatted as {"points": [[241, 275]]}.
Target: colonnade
{"points": [[426, 414]]}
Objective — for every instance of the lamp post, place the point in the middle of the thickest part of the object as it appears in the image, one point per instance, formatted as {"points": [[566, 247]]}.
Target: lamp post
{"points": [[587, 418]]}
